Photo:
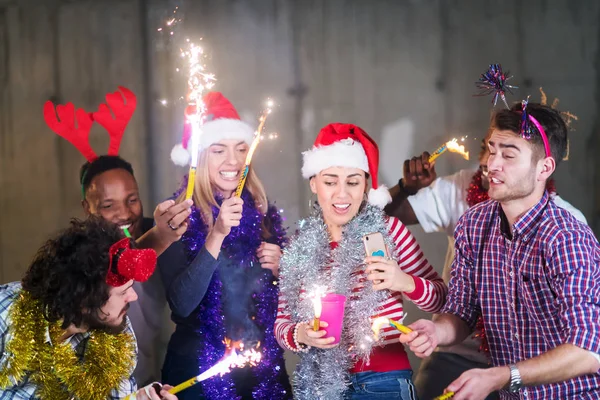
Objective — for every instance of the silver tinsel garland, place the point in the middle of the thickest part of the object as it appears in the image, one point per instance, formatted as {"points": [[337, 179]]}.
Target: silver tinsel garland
{"points": [[323, 374]]}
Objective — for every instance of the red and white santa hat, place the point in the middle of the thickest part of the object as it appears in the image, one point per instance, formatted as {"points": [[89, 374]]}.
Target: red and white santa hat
{"points": [[222, 122], [346, 145]]}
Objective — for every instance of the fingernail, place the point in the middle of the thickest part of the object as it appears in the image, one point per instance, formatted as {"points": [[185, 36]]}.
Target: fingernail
{"points": [[189, 202]]}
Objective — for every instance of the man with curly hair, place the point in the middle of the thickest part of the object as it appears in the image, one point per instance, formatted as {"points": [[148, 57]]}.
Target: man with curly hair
{"points": [[110, 190], [64, 330]]}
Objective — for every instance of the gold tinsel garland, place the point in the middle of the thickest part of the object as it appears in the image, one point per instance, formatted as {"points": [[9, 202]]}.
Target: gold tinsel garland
{"points": [[56, 369]]}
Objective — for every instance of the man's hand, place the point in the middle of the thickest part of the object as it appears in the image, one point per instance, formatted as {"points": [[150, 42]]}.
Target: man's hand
{"points": [[418, 173], [423, 339], [477, 384], [149, 393]]}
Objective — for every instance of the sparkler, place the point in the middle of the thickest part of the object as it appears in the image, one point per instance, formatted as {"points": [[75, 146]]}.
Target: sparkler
{"points": [[380, 322], [318, 307], [445, 396], [451, 146], [233, 360], [257, 138], [199, 80]]}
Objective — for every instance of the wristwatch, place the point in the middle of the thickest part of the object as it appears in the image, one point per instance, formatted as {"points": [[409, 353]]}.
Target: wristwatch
{"points": [[515, 379]]}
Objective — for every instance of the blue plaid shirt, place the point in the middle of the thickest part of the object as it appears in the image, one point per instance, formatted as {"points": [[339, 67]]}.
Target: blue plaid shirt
{"points": [[26, 389], [535, 289]]}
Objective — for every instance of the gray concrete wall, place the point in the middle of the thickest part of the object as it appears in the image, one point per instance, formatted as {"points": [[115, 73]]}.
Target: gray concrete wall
{"points": [[402, 70]]}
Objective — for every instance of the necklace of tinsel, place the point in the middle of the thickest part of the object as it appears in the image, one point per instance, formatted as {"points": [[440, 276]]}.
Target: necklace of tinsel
{"points": [[240, 245], [476, 194], [324, 374], [55, 368]]}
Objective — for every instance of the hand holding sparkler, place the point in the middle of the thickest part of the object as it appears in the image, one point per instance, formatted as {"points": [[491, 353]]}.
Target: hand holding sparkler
{"points": [[154, 391], [309, 337], [423, 339], [418, 173], [229, 216]]}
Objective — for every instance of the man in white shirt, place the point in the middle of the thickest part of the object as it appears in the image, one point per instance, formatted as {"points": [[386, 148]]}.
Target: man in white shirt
{"points": [[437, 204]]}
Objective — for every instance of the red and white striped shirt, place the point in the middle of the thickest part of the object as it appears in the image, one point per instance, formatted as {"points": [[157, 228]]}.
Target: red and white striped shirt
{"points": [[429, 295]]}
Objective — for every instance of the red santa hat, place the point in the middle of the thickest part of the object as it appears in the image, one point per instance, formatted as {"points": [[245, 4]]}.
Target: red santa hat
{"points": [[222, 122], [346, 145]]}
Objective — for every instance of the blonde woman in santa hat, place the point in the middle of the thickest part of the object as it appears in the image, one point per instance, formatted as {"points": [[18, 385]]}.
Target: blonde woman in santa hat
{"points": [[221, 278], [328, 254]]}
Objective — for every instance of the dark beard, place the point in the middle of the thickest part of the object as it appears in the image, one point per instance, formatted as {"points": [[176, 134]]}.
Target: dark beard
{"points": [[95, 322]]}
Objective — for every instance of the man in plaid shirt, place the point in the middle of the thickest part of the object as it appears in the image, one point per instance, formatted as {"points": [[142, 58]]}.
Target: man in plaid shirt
{"points": [[81, 281], [529, 268]]}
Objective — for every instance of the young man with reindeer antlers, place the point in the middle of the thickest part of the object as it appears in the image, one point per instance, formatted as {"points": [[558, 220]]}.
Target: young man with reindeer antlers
{"points": [[64, 330], [110, 190]]}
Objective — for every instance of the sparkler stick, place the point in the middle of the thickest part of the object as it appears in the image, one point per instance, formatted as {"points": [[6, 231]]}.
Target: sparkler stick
{"points": [[198, 81], [451, 146], [445, 396], [402, 328], [257, 138], [224, 366], [381, 321], [318, 307]]}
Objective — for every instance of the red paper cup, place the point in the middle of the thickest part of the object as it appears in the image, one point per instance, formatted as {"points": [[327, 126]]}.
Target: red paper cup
{"points": [[333, 313]]}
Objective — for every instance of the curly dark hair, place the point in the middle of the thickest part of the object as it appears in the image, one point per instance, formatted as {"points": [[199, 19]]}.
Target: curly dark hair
{"points": [[550, 119], [90, 170], [68, 273]]}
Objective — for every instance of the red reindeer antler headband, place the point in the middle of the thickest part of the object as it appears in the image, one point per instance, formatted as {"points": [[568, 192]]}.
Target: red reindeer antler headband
{"points": [[122, 103], [127, 263]]}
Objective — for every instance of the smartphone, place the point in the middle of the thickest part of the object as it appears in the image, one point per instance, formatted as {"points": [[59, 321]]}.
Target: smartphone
{"points": [[375, 245]]}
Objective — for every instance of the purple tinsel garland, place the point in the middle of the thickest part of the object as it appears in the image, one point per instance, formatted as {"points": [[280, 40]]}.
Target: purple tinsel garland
{"points": [[240, 246]]}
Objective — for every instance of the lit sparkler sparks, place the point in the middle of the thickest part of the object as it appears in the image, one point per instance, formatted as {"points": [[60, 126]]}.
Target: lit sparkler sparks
{"points": [[451, 146], [231, 360], [199, 80], [318, 306], [381, 322], [257, 138]]}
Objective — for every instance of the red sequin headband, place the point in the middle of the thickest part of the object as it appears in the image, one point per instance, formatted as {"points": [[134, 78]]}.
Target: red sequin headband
{"points": [[127, 263]]}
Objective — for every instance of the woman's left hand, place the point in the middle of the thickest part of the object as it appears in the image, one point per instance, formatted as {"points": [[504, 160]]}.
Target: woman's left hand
{"points": [[269, 256], [385, 273]]}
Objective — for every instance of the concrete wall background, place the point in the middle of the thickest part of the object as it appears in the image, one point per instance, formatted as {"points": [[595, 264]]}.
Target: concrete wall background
{"points": [[402, 70]]}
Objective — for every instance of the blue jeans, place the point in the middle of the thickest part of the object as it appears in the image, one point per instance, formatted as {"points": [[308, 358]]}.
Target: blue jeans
{"points": [[381, 385]]}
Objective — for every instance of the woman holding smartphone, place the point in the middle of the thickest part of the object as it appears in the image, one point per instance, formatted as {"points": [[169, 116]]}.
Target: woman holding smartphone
{"points": [[328, 255]]}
